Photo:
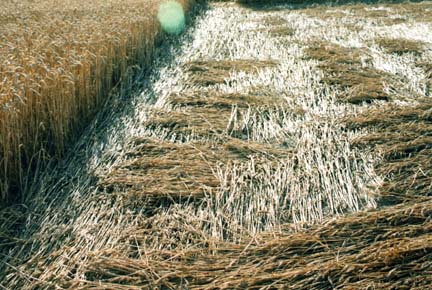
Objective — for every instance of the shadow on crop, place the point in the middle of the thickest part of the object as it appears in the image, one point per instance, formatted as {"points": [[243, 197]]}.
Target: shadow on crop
{"points": [[302, 4]]}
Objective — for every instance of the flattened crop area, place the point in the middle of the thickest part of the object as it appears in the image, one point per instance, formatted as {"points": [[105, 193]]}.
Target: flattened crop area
{"points": [[278, 147]]}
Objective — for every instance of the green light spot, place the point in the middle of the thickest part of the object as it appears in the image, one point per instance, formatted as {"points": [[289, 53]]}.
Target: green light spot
{"points": [[171, 17]]}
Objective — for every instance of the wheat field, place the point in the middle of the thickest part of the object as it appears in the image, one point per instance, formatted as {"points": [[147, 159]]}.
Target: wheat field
{"points": [[59, 62], [276, 146]]}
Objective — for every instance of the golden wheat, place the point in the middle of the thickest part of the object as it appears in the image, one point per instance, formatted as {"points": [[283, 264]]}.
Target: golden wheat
{"points": [[58, 63]]}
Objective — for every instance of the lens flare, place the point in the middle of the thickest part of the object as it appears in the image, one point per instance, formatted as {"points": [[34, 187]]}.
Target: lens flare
{"points": [[171, 17]]}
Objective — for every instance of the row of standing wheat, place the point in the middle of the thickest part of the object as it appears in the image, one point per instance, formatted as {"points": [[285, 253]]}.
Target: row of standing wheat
{"points": [[58, 64]]}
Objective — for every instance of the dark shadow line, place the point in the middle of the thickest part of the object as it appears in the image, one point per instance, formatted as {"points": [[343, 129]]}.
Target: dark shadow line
{"points": [[272, 5]]}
